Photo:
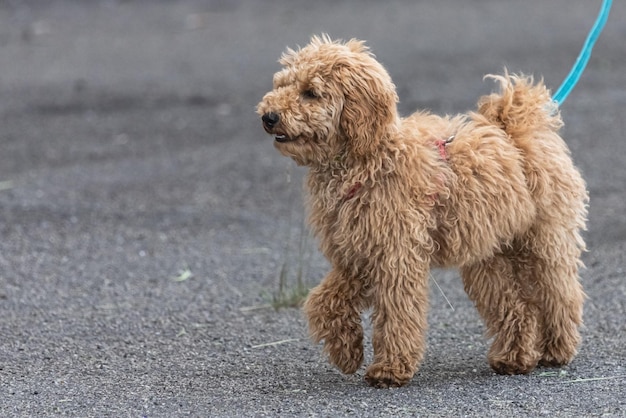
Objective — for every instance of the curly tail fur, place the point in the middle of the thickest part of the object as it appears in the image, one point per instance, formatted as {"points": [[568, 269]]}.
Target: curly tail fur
{"points": [[522, 106]]}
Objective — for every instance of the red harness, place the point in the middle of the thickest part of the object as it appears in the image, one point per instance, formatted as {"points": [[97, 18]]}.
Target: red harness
{"points": [[352, 191], [441, 146]]}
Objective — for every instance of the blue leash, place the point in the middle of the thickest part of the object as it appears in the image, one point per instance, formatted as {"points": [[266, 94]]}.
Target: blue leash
{"points": [[581, 62]]}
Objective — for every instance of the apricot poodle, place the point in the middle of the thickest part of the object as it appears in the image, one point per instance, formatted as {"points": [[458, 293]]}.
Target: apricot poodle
{"points": [[493, 192]]}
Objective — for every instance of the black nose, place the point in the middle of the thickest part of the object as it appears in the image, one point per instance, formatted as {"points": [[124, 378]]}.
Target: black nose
{"points": [[270, 119]]}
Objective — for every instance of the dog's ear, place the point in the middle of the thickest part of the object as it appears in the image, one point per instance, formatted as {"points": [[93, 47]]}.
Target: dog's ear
{"points": [[369, 107]]}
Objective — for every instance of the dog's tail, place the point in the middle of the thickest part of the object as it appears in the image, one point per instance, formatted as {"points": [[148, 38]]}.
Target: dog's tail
{"points": [[522, 106]]}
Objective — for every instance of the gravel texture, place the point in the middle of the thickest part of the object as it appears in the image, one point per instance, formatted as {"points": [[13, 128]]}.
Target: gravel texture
{"points": [[145, 216]]}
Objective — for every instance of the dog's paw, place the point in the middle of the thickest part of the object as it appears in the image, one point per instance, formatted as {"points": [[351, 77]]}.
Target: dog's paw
{"points": [[346, 355], [343, 341], [511, 368], [338, 324], [555, 358], [383, 375], [514, 362], [560, 351], [344, 346], [514, 352]]}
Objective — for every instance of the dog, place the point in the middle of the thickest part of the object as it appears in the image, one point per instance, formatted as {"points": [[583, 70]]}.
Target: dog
{"points": [[493, 192]]}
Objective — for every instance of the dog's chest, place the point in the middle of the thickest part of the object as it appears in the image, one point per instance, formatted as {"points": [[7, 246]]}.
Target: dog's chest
{"points": [[337, 209], [334, 207]]}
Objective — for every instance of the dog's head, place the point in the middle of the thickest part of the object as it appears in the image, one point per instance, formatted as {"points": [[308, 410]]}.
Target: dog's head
{"points": [[330, 98]]}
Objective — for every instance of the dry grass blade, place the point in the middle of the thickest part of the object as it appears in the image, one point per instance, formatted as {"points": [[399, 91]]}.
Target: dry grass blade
{"points": [[441, 291], [592, 379], [289, 340]]}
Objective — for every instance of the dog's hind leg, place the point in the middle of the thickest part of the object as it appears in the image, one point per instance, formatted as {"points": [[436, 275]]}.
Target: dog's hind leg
{"points": [[334, 310], [557, 292], [509, 315]]}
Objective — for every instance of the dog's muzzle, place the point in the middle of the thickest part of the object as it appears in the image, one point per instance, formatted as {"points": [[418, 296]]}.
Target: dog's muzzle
{"points": [[270, 120]]}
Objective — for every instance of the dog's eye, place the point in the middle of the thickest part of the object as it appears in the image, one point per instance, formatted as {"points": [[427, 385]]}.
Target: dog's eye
{"points": [[310, 94]]}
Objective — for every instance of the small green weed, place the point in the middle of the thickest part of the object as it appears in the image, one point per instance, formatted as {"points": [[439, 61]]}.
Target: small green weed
{"points": [[292, 287]]}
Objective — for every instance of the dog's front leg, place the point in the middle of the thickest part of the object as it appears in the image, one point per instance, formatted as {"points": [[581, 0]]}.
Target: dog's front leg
{"points": [[399, 319], [333, 310]]}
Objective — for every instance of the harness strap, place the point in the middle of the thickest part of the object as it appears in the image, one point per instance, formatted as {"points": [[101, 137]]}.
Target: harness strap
{"points": [[441, 146]]}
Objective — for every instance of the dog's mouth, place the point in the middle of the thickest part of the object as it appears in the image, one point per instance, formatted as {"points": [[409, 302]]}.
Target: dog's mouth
{"points": [[280, 136], [284, 138]]}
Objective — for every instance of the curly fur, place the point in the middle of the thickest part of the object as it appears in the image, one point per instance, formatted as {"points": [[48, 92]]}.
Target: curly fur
{"points": [[502, 201]]}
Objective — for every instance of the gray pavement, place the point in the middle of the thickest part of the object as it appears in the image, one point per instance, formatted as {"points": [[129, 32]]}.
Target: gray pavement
{"points": [[145, 216]]}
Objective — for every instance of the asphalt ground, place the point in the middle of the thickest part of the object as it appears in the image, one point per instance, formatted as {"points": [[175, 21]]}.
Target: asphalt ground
{"points": [[145, 216]]}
